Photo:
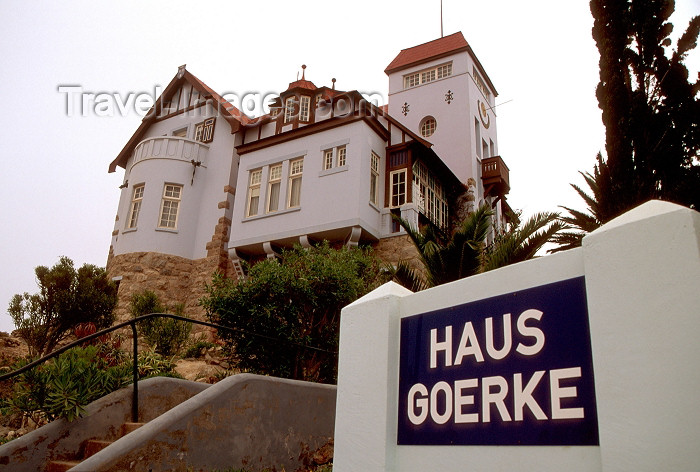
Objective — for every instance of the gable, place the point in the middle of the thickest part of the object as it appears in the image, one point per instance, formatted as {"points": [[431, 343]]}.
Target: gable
{"points": [[185, 92]]}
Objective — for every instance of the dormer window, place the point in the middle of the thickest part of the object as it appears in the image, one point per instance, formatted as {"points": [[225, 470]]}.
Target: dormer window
{"points": [[428, 75], [304, 109], [289, 110]]}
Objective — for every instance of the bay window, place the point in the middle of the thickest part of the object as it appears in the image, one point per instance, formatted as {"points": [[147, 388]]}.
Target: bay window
{"points": [[296, 168], [273, 188], [254, 192], [374, 179], [397, 188]]}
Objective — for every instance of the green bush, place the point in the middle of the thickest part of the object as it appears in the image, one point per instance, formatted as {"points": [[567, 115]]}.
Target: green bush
{"points": [[152, 364], [195, 348], [62, 387], [165, 335], [283, 307], [66, 298]]}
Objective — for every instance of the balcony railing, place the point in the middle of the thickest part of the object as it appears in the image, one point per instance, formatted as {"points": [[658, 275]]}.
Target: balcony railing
{"points": [[495, 176], [171, 147]]}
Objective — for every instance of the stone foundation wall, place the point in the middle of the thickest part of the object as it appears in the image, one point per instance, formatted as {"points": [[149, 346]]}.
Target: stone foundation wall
{"points": [[398, 248], [177, 279], [174, 279]]}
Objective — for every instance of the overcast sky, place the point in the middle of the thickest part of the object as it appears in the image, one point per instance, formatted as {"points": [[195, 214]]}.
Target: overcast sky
{"points": [[57, 197]]}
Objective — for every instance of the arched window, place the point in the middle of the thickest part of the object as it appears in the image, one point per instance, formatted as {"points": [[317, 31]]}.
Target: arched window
{"points": [[428, 126]]}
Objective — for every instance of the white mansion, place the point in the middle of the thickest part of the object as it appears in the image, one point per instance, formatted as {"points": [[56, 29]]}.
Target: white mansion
{"points": [[205, 186]]}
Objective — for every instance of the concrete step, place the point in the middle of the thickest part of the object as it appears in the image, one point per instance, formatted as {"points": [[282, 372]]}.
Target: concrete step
{"points": [[61, 466], [130, 427], [93, 446]]}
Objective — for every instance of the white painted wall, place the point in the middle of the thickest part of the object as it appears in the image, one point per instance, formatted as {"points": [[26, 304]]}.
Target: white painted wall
{"points": [[199, 212], [330, 199], [454, 139], [641, 273]]}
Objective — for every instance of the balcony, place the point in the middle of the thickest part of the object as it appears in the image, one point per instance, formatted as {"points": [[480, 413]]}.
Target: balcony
{"points": [[171, 147], [495, 177]]}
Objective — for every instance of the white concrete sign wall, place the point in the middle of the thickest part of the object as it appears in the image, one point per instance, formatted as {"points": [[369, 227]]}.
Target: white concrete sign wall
{"points": [[580, 361]]}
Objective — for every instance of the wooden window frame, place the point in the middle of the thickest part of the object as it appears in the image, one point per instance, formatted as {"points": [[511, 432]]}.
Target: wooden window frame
{"points": [[374, 164], [135, 206], [401, 196], [254, 183], [274, 178], [341, 153], [296, 171], [428, 126], [289, 109], [305, 108], [170, 198], [204, 131], [431, 74], [328, 159]]}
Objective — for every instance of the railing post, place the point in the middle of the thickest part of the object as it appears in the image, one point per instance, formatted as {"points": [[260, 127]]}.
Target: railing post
{"points": [[135, 397]]}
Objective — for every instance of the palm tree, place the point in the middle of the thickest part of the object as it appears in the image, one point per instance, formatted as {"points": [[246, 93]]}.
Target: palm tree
{"points": [[520, 242], [445, 257], [583, 223], [449, 257]]}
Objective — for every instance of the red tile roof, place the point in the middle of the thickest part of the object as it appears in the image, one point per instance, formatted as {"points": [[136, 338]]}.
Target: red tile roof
{"points": [[427, 51], [303, 83], [227, 106], [434, 50]]}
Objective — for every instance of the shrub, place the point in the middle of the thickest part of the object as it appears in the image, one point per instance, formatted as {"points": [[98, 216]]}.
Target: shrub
{"points": [[281, 307], [195, 348], [166, 336], [62, 387], [66, 298]]}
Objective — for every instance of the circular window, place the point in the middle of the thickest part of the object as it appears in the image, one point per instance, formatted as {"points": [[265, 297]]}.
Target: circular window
{"points": [[427, 126]]}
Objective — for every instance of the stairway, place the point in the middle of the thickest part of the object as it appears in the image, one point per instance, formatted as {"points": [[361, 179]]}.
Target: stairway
{"points": [[92, 446]]}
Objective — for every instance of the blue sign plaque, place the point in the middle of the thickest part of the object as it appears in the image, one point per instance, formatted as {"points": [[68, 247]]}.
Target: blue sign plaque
{"points": [[515, 369]]}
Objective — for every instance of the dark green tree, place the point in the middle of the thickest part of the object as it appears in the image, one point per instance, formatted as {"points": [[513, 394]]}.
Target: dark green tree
{"points": [[283, 306], [651, 112], [465, 252], [66, 298]]}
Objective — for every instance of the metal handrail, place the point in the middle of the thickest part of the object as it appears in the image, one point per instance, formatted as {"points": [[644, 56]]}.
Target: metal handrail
{"points": [[132, 323]]}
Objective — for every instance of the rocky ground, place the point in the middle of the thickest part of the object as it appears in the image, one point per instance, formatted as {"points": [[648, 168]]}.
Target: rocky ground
{"points": [[12, 349]]}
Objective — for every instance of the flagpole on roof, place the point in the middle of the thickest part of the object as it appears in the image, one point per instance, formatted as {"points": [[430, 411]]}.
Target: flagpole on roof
{"points": [[441, 34]]}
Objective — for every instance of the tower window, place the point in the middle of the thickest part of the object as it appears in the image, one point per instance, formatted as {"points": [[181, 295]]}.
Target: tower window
{"points": [[428, 75], [136, 200], [170, 206], [341, 151], [328, 159], [428, 126]]}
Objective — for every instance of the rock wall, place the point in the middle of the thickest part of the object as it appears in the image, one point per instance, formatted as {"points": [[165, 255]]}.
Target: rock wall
{"points": [[398, 248], [177, 279], [174, 279]]}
